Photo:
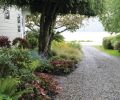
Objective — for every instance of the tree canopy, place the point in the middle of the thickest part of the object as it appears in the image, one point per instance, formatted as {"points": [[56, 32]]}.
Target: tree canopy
{"points": [[83, 7], [50, 9], [70, 22], [111, 16]]}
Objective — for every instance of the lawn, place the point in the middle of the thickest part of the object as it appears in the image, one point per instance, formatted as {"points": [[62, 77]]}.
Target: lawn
{"points": [[110, 52]]}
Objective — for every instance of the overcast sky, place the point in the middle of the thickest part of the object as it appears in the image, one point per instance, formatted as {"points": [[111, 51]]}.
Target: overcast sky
{"points": [[92, 30]]}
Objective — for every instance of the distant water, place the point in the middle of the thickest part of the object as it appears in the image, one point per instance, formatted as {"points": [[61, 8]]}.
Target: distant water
{"points": [[91, 43]]}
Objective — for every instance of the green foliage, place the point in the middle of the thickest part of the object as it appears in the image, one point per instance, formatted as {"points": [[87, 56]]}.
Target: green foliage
{"points": [[64, 7], [32, 38], [111, 15], [44, 66], [117, 45], [4, 97], [112, 42], [70, 22], [109, 51], [8, 86], [8, 89], [12, 60], [69, 50], [23, 59], [74, 44], [115, 38], [7, 67], [28, 86], [57, 37], [107, 44], [49, 11], [26, 75]]}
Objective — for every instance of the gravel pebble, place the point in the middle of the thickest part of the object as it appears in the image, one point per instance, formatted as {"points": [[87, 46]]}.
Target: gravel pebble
{"points": [[96, 78]]}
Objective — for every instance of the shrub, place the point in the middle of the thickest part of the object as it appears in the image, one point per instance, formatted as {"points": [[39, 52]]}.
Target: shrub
{"points": [[61, 66], [21, 43], [32, 38], [23, 59], [117, 45], [107, 44], [7, 67], [4, 41], [44, 66], [115, 39], [49, 83], [45, 86], [29, 86], [12, 60]]}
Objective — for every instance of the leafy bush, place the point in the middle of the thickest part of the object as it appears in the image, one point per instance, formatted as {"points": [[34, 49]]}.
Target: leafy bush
{"points": [[32, 38], [21, 43], [115, 38], [49, 84], [7, 67], [12, 60], [4, 41], [112, 42], [23, 59], [107, 44], [44, 66], [67, 55], [22, 63], [62, 66], [116, 41], [44, 87], [117, 45]]}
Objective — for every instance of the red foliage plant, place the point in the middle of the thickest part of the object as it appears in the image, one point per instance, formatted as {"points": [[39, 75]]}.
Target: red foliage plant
{"points": [[22, 43], [39, 88], [52, 84], [4, 41], [62, 63]]}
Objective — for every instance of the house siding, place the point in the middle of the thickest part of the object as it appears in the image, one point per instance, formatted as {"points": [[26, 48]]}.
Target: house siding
{"points": [[9, 27]]}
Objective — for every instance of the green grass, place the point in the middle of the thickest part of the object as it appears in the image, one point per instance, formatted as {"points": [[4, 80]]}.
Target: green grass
{"points": [[110, 52]]}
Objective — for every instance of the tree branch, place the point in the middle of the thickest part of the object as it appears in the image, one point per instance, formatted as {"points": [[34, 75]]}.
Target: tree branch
{"points": [[64, 30], [59, 27]]}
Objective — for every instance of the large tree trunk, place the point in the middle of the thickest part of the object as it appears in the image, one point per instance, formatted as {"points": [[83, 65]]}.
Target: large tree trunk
{"points": [[47, 22]]}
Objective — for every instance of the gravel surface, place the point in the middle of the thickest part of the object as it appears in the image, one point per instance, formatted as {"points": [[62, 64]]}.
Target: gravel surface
{"points": [[96, 78]]}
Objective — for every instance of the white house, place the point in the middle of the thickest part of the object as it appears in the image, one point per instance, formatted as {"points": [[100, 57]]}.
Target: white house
{"points": [[12, 22]]}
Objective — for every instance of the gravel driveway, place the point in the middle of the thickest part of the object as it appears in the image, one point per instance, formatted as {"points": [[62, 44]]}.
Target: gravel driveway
{"points": [[96, 78]]}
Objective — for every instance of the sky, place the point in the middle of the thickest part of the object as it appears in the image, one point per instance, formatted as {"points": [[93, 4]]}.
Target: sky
{"points": [[91, 30]]}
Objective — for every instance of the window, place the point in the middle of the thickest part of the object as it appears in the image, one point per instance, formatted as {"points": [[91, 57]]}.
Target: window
{"points": [[7, 13], [18, 18], [19, 28]]}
